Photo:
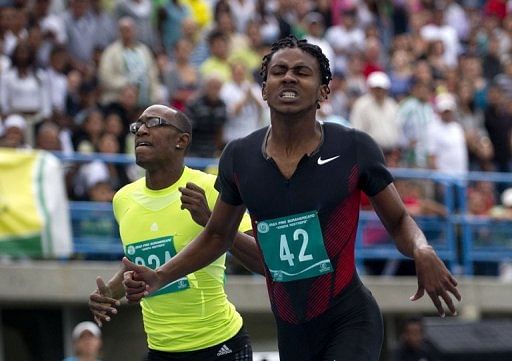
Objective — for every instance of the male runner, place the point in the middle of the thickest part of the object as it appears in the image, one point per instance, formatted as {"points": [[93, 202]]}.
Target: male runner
{"points": [[190, 318], [301, 182]]}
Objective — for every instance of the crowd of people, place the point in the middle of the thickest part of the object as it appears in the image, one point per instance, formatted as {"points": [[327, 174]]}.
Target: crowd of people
{"points": [[429, 80]]}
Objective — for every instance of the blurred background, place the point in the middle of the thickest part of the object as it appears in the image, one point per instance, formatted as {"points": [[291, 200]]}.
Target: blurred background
{"points": [[430, 81]]}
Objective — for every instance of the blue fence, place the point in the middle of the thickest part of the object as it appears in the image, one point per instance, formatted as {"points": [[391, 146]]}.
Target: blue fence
{"points": [[461, 239]]}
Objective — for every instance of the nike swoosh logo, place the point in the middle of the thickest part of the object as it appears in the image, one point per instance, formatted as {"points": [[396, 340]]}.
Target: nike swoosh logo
{"points": [[321, 161]]}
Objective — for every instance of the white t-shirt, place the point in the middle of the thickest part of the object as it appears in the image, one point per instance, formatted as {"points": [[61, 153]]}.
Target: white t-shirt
{"points": [[447, 143]]}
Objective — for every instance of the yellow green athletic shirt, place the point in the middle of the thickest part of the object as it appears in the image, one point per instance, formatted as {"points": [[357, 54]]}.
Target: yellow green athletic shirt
{"points": [[200, 315]]}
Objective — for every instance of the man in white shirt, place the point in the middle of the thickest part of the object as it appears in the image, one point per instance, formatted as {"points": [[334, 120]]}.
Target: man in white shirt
{"points": [[376, 112], [447, 150]]}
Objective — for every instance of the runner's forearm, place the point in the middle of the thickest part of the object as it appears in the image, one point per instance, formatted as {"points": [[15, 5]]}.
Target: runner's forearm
{"points": [[245, 249], [205, 249]]}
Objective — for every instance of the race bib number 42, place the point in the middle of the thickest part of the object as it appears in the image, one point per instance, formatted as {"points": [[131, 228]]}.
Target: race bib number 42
{"points": [[154, 253], [293, 247]]}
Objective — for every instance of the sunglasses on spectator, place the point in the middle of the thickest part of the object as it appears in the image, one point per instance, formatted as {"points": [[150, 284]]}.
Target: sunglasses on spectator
{"points": [[151, 123]]}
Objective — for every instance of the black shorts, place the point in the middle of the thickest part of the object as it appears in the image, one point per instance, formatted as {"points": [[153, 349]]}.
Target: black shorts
{"points": [[351, 330], [237, 348]]}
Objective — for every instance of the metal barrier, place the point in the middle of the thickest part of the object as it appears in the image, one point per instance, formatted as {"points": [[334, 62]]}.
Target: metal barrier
{"points": [[460, 239]]}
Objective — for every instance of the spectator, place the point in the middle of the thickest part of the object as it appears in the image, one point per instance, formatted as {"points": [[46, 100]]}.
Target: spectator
{"points": [[436, 59], [217, 62], [285, 14], [48, 138], [225, 23], [24, 85], [86, 139], [128, 62], [456, 17], [87, 342], [52, 25], [491, 64], [49, 28], [14, 21], [91, 182], [66, 127], [400, 74], [126, 107], [412, 346], [208, 115], [87, 101], [58, 81], [141, 12], [356, 81], [437, 29], [339, 99], [180, 77], [373, 57], [504, 78], [481, 198], [470, 66], [345, 38], [195, 36], [270, 31], [414, 115], [25, 89], [114, 126], [244, 103], [498, 123], [105, 24], [252, 54], [82, 34], [73, 97], [14, 132], [315, 34], [117, 175], [243, 12], [376, 113], [170, 16], [480, 150], [447, 149]]}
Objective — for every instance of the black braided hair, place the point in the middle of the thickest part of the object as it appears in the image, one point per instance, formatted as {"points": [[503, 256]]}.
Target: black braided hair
{"points": [[292, 42]]}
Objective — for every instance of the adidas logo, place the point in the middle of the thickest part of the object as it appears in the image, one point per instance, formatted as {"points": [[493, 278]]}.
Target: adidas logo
{"points": [[224, 350]]}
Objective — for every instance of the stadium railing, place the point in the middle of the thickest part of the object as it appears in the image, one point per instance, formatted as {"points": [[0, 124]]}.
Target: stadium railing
{"points": [[460, 238]]}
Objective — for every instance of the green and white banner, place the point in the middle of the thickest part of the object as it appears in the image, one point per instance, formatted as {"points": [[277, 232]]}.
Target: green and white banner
{"points": [[34, 212]]}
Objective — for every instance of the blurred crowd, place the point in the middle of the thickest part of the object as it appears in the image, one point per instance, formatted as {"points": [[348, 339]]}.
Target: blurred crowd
{"points": [[430, 80]]}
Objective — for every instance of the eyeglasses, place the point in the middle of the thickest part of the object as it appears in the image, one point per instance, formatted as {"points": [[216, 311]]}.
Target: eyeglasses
{"points": [[151, 123]]}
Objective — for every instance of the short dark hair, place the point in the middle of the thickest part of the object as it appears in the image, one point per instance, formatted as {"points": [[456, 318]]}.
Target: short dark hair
{"points": [[216, 34], [411, 320], [184, 122], [292, 42]]}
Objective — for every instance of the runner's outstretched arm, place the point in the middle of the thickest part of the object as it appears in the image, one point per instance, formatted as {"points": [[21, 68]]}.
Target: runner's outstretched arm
{"points": [[433, 276], [210, 244], [244, 246]]}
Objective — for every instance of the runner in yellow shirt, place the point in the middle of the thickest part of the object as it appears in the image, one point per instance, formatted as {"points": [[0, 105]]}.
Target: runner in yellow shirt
{"points": [[158, 215]]}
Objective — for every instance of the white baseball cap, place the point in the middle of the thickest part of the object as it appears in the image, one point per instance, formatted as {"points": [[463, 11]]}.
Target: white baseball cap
{"points": [[445, 101], [15, 120], [86, 326], [378, 79], [506, 197]]}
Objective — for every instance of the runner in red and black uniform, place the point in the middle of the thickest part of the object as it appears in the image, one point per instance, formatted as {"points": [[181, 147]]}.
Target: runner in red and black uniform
{"points": [[324, 190], [301, 182]]}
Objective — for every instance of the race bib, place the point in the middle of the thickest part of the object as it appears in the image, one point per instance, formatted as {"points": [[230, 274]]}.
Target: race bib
{"points": [[154, 253], [293, 247]]}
